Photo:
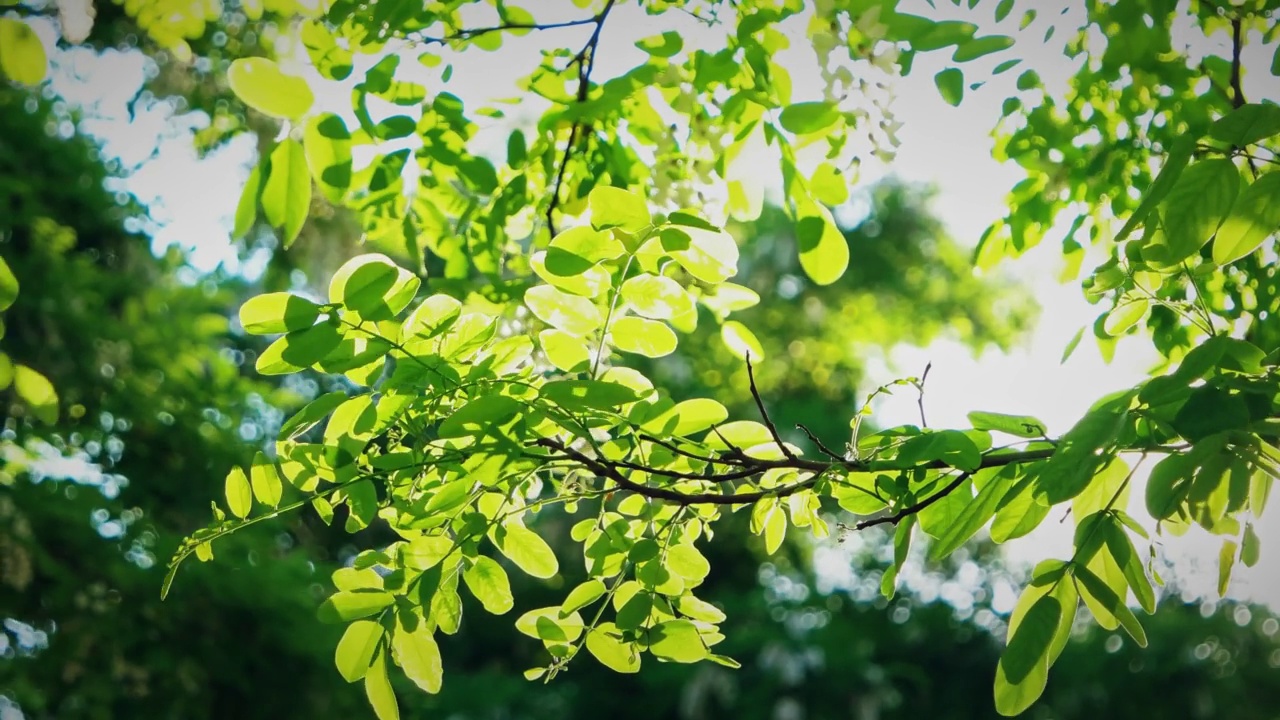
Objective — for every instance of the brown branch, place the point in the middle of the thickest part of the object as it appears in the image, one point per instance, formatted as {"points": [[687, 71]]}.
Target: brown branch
{"points": [[814, 439], [764, 414], [897, 517], [585, 61], [471, 33]]}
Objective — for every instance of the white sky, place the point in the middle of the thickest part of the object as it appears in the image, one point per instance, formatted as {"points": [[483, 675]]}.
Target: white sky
{"points": [[950, 148]]}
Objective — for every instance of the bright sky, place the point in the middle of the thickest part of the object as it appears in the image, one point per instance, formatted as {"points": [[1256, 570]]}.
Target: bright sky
{"points": [[192, 201]]}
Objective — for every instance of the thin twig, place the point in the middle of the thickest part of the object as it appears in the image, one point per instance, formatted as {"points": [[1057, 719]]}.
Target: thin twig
{"points": [[920, 389], [585, 61], [814, 439], [764, 414], [472, 33], [897, 517]]}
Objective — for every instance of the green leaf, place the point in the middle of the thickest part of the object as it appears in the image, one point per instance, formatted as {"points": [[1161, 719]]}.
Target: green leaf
{"points": [[686, 418], [1094, 587], [265, 481], [37, 392], [357, 648], [247, 205], [286, 195], [8, 286], [809, 117], [377, 688], [1170, 172], [330, 60], [373, 286], [22, 56], [605, 644], [656, 296], [741, 341], [649, 338], [311, 414], [678, 641], [1017, 425], [710, 256], [1226, 562], [1254, 217], [299, 350], [261, 85], [550, 625], [328, 150], [418, 655], [950, 83], [1014, 698], [1126, 556], [528, 551], [1003, 9], [1247, 124], [277, 313], [614, 207], [665, 45], [975, 514], [1195, 207], [239, 496], [1251, 546], [977, 47], [347, 605], [824, 251], [567, 352], [488, 582], [479, 415], [828, 185], [575, 315], [685, 560], [1129, 311], [582, 394], [581, 596], [433, 316], [1029, 644]]}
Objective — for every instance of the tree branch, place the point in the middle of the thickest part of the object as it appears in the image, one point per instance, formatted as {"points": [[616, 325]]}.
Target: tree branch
{"points": [[585, 61], [897, 517], [764, 414], [471, 33]]}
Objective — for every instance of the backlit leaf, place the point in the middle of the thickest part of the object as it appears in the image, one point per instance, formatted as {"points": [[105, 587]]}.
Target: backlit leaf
{"points": [[261, 85]]}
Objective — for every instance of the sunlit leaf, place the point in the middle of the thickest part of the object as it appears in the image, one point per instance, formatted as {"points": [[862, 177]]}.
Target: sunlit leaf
{"points": [[261, 85]]}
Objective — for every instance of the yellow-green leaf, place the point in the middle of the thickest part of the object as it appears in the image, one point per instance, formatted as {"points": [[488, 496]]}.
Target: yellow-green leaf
{"points": [[261, 85], [824, 251], [37, 392], [649, 338], [614, 207], [328, 149], [239, 496], [286, 195], [357, 648], [377, 687], [419, 655], [22, 56], [265, 481], [1254, 217], [277, 313]]}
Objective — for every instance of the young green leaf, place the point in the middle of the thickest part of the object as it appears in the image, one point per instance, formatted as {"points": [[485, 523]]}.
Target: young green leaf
{"points": [[678, 641], [356, 649], [581, 596], [261, 85], [1016, 425], [1029, 644], [377, 688], [22, 56], [809, 117], [347, 605], [239, 496], [418, 654], [286, 194], [277, 313], [299, 350], [614, 207], [1094, 587], [950, 83], [37, 392], [1254, 217], [265, 481], [824, 250], [373, 286], [488, 582], [575, 315], [649, 338], [328, 150], [528, 551], [8, 286], [605, 644]]}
